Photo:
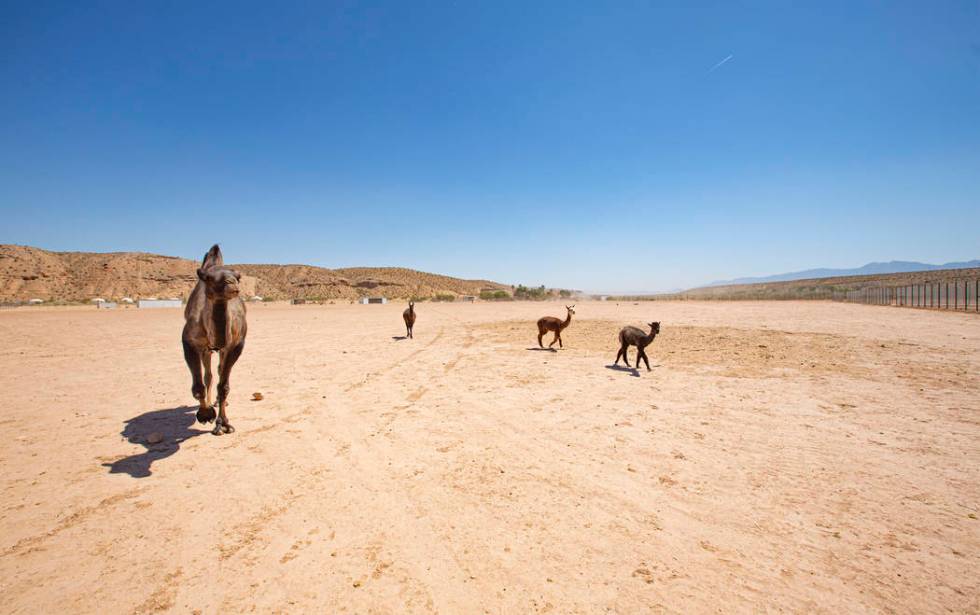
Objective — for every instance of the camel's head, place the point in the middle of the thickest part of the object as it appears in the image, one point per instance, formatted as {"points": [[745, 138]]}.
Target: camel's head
{"points": [[571, 309], [220, 283], [411, 304], [654, 327]]}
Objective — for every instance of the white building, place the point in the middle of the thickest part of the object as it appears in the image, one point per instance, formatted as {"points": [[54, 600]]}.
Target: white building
{"points": [[367, 300], [159, 303]]}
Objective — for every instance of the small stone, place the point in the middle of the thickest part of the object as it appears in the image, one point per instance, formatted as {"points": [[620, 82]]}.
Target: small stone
{"points": [[154, 438], [256, 396]]}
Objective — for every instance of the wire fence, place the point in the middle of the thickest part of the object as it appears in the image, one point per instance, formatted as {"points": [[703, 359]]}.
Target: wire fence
{"points": [[952, 294]]}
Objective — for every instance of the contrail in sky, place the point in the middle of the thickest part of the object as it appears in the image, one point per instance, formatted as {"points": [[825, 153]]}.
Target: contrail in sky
{"points": [[730, 56]]}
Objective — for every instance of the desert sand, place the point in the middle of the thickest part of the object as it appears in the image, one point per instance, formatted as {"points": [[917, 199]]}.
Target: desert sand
{"points": [[779, 457]]}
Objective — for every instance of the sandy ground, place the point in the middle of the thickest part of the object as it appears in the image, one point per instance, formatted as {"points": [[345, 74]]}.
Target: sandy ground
{"points": [[781, 457]]}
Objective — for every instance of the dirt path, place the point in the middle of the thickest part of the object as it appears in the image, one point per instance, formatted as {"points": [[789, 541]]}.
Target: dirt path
{"points": [[780, 456]]}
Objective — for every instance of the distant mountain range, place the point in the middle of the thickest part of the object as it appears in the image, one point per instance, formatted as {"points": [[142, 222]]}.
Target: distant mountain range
{"points": [[869, 269]]}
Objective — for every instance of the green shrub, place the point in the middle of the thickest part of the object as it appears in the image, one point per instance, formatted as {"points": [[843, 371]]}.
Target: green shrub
{"points": [[533, 294]]}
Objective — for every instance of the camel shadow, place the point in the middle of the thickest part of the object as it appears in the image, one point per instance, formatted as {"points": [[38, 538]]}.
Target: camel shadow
{"points": [[622, 368], [399, 338], [536, 349], [174, 424]]}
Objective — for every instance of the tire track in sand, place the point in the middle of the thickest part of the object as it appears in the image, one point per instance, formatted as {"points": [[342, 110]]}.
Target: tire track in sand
{"points": [[356, 385]]}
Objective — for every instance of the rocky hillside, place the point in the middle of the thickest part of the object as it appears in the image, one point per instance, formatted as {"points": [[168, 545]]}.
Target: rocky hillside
{"points": [[820, 288], [28, 273]]}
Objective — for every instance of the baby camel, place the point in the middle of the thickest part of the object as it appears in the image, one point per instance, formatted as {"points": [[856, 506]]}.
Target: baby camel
{"points": [[632, 336], [409, 316], [550, 323]]}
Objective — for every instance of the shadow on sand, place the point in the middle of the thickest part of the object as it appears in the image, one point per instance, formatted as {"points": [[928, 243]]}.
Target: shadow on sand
{"points": [[535, 348], [399, 338], [622, 368], [173, 424]]}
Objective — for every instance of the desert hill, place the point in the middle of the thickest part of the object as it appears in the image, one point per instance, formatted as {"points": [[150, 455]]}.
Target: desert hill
{"points": [[27, 273], [819, 288], [870, 269]]}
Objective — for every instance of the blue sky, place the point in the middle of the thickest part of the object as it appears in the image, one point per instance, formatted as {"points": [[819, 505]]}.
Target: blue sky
{"points": [[579, 145]]}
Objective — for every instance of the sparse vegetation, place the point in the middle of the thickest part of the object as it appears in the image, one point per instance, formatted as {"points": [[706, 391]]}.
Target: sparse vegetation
{"points": [[495, 295], [531, 294], [444, 297]]}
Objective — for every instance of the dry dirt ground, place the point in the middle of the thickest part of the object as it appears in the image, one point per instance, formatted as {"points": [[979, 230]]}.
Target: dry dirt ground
{"points": [[782, 457]]}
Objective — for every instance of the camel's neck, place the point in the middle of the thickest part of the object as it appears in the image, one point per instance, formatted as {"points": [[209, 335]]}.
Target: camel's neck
{"points": [[650, 337], [568, 320], [217, 315]]}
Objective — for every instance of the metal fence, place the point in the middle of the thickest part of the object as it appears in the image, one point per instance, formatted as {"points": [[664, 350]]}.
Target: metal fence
{"points": [[944, 295]]}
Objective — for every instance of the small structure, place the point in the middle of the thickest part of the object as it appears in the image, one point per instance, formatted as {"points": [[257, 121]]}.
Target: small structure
{"points": [[256, 299], [127, 300], [466, 298], [106, 305], [380, 300], [297, 301], [98, 300], [159, 303], [35, 301]]}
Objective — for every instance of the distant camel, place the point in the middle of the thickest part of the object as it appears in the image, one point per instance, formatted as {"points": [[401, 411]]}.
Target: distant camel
{"points": [[409, 316], [550, 323], [215, 322], [632, 336]]}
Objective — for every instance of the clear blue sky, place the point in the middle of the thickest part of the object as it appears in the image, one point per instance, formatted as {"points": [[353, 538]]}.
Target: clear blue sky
{"points": [[602, 146]]}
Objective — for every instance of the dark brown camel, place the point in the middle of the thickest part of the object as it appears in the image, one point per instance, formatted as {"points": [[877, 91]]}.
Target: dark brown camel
{"points": [[215, 322], [550, 323], [409, 316], [632, 336]]}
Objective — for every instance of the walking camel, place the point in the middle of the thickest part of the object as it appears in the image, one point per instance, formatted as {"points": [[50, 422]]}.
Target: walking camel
{"points": [[214, 322], [550, 323], [409, 316], [633, 336]]}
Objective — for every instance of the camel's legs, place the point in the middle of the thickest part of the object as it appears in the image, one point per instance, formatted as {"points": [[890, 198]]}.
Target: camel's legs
{"points": [[206, 361], [540, 335], [228, 359], [193, 358], [622, 353], [557, 339], [643, 355]]}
